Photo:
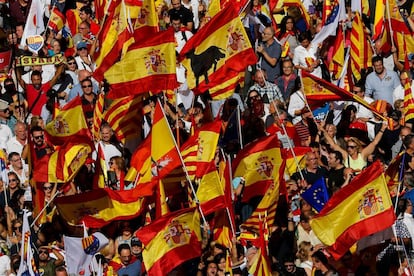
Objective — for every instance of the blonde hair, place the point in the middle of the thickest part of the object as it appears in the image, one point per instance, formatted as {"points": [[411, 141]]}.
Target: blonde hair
{"points": [[304, 251]]}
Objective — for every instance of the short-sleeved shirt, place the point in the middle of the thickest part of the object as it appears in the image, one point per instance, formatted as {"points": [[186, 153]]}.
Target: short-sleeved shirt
{"points": [[33, 94], [133, 269], [274, 50], [382, 89]]}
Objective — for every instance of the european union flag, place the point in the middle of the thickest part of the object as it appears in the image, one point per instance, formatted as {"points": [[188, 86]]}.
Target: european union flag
{"points": [[317, 194]]}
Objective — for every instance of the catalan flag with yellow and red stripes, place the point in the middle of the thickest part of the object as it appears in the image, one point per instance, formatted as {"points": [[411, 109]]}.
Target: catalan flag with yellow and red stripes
{"points": [[361, 51]]}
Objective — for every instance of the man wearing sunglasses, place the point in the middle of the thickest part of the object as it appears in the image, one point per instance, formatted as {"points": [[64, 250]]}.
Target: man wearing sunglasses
{"points": [[47, 264], [41, 147]]}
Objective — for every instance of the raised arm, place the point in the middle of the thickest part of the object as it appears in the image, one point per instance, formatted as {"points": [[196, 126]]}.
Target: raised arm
{"points": [[371, 147]]}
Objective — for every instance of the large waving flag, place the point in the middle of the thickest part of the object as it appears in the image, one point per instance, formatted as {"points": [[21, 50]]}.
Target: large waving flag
{"points": [[359, 209], [261, 165], [127, 22], [218, 52], [100, 207], [333, 12], [171, 240], [81, 251], [149, 65], [361, 51], [34, 24], [200, 149], [69, 124], [98, 115], [63, 164], [318, 90], [123, 115]]}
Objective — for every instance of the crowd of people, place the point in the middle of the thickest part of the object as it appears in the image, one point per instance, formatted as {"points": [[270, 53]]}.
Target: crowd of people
{"points": [[341, 138]]}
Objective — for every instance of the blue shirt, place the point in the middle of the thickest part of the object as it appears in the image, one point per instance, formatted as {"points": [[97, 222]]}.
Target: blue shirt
{"points": [[133, 269], [381, 89], [274, 50]]}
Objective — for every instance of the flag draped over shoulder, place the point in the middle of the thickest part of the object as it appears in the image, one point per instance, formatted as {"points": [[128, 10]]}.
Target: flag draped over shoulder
{"points": [[200, 149], [69, 124], [261, 165], [333, 12], [171, 240], [149, 65], [100, 207], [81, 251], [127, 22], [361, 51], [359, 209], [218, 52]]}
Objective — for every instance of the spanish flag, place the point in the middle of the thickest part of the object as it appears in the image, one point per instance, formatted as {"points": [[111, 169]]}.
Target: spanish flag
{"points": [[210, 191], [56, 20], [100, 207], [171, 240], [217, 52], [359, 209], [123, 115], [200, 149], [379, 19], [149, 65], [127, 22], [261, 165], [69, 124], [140, 169], [338, 57], [293, 165]]}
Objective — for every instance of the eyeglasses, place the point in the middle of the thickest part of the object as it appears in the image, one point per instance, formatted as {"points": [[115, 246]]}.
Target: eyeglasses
{"points": [[38, 137], [46, 188], [13, 180], [71, 63], [86, 86], [5, 110], [43, 251], [351, 147], [80, 49], [17, 228]]}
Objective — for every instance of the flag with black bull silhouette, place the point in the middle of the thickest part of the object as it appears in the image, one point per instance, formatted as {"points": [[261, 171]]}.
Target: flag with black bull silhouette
{"points": [[218, 52]]}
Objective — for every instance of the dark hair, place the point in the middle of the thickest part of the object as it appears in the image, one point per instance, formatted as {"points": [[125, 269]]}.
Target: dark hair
{"points": [[377, 58], [36, 73], [283, 25], [12, 154], [35, 128], [338, 156], [123, 246], [218, 257], [320, 256], [305, 35], [351, 108], [86, 9]]}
